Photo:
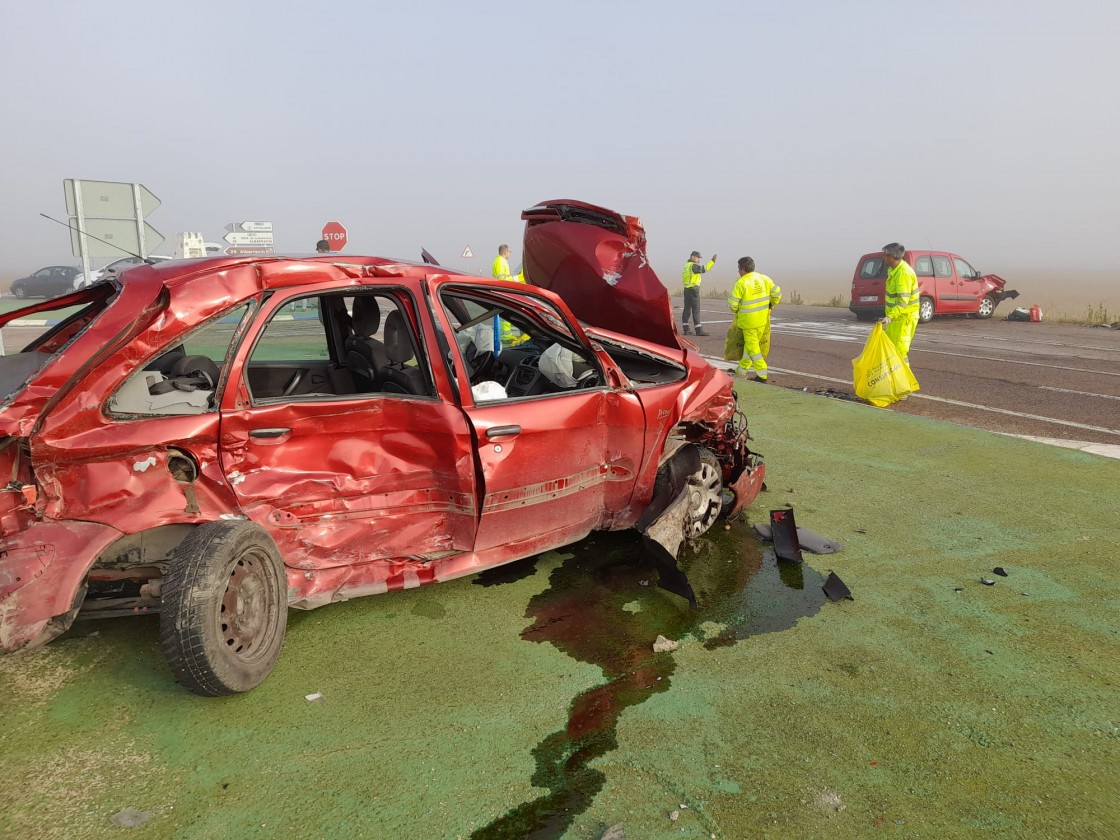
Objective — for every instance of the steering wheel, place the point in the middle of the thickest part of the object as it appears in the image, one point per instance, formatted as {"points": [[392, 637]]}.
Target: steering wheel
{"points": [[588, 379], [480, 365]]}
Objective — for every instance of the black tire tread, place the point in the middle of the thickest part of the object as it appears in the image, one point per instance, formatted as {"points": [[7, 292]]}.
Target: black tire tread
{"points": [[192, 578]]}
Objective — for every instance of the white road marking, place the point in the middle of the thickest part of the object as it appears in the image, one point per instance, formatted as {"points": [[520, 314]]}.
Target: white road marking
{"points": [[1082, 393], [919, 396]]}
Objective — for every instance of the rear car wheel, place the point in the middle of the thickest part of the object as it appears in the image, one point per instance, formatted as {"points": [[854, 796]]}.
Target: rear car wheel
{"points": [[706, 498], [925, 310], [987, 307], [225, 608]]}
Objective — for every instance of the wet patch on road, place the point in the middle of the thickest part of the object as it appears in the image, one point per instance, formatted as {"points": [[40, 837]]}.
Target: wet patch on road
{"points": [[509, 573], [603, 607]]}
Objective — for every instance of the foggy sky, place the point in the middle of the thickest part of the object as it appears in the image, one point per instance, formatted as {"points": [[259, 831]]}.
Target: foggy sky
{"points": [[803, 134]]}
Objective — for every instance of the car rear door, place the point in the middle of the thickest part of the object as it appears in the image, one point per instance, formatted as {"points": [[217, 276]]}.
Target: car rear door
{"points": [[341, 475], [561, 458]]}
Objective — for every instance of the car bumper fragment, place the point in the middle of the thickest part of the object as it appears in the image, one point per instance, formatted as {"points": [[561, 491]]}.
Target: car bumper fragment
{"points": [[41, 588]]}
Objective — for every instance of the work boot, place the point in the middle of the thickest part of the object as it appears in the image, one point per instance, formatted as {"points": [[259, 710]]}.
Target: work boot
{"points": [[700, 330], [761, 379], [687, 329]]}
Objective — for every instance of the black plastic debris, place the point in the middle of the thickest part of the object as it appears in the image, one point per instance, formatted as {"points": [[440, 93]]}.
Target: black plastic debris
{"points": [[836, 589], [784, 529], [662, 522], [987, 581], [999, 571]]}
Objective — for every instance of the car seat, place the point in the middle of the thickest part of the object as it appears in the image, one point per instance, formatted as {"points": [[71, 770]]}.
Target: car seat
{"points": [[365, 355], [395, 377]]}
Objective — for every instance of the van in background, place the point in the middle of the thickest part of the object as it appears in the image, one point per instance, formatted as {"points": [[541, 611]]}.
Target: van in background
{"points": [[948, 285]]}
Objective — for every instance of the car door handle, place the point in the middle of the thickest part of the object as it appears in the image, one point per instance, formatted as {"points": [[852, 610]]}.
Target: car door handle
{"points": [[503, 431], [268, 433]]}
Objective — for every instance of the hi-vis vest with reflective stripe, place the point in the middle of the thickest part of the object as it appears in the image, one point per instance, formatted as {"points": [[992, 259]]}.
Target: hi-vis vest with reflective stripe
{"points": [[690, 276], [751, 299], [500, 269], [902, 292]]}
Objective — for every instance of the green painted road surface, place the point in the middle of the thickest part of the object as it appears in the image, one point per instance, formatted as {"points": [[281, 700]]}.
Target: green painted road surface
{"points": [[534, 706]]}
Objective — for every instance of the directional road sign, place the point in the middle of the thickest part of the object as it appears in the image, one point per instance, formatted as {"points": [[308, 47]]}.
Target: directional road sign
{"points": [[246, 238], [247, 251], [252, 227], [108, 199], [467, 254], [114, 238]]}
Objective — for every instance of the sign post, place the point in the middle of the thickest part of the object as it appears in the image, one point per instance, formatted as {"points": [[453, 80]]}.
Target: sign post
{"points": [[335, 234]]}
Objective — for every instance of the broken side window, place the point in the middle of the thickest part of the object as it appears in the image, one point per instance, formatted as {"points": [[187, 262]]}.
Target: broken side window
{"points": [[516, 346], [183, 378]]}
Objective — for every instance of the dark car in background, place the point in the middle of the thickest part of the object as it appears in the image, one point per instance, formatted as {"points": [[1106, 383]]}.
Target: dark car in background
{"points": [[46, 282]]}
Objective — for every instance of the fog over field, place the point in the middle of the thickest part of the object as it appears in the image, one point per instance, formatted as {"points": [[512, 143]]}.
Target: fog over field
{"points": [[801, 134]]}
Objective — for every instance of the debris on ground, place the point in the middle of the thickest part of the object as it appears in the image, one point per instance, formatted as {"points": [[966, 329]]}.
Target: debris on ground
{"points": [[663, 645], [316, 697], [674, 816], [836, 589], [808, 540], [615, 832], [784, 532], [999, 570], [987, 581], [829, 802], [130, 818], [832, 393]]}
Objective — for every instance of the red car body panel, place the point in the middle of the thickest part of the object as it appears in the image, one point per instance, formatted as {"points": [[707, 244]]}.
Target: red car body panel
{"points": [[595, 259], [361, 493]]}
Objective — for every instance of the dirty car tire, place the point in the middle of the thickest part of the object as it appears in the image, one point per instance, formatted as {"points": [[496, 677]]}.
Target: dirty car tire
{"points": [[707, 501], [987, 307], [925, 310], [224, 608]]}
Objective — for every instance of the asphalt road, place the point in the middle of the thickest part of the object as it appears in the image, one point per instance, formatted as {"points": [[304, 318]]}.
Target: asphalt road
{"points": [[1046, 379]]}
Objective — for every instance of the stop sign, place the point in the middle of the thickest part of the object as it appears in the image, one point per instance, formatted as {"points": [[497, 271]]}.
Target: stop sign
{"points": [[335, 234]]}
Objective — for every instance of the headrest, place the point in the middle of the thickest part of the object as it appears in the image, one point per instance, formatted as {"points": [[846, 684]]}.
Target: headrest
{"points": [[203, 368], [367, 315], [398, 343]]}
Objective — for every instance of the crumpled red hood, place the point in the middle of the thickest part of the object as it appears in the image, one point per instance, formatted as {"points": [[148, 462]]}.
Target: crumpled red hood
{"points": [[595, 259]]}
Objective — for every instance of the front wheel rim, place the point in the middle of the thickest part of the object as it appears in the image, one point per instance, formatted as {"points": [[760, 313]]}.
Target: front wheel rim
{"points": [[705, 499]]}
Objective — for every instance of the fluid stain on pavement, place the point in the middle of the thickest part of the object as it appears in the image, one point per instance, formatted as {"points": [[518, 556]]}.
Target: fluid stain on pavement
{"points": [[603, 607]]}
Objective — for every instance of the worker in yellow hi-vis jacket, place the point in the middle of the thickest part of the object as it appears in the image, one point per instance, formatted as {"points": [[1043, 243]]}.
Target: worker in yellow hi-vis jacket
{"points": [[900, 318], [750, 302]]}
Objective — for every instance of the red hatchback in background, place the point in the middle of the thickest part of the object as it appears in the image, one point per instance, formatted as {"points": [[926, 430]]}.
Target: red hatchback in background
{"points": [[218, 440], [947, 283]]}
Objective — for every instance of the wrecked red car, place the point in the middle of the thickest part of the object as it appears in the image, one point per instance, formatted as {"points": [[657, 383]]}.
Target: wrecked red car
{"points": [[219, 440]]}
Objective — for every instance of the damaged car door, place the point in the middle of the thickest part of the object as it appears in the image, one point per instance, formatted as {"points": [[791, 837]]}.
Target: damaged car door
{"points": [[346, 472], [560, 437]]}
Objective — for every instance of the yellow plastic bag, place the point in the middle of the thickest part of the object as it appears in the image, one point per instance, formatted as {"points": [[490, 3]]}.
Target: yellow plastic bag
{"points": [[733, 344], [879, 374]]}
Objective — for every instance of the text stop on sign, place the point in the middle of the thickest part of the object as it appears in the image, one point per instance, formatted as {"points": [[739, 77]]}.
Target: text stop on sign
{"points": [[335, 234]]}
